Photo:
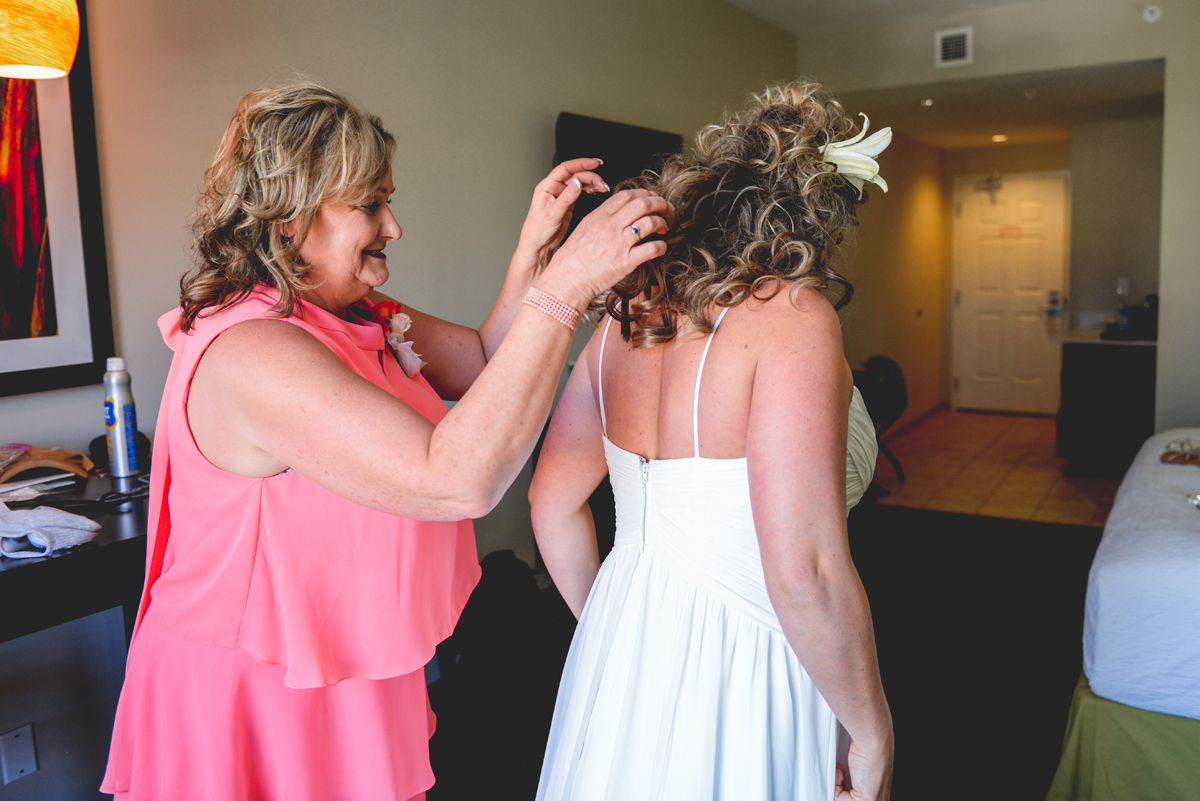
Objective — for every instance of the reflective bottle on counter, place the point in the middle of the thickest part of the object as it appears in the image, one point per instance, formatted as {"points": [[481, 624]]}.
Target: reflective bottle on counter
{"points": [[120, 421]]}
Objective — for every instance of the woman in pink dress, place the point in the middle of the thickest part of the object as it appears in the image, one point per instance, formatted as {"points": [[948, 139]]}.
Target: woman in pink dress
{"points": [[310, 536]]}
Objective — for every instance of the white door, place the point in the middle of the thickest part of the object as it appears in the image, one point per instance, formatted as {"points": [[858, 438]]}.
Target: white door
{"points": [[1010, 253]]}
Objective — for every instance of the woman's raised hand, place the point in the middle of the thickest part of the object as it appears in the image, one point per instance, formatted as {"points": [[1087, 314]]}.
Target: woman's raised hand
{"points": [[595, 257], [550, 211], [607, 246]]}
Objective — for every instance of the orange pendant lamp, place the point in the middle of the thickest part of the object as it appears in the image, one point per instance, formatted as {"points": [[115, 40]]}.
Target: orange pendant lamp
{"points": [[38, 38]]}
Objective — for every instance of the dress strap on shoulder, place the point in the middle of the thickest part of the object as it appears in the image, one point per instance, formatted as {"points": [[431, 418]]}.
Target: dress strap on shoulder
{"points": [[600, 377], [700, 372]]}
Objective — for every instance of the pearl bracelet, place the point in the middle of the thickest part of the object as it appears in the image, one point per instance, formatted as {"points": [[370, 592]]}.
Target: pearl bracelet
{"points": [[549, 305]]}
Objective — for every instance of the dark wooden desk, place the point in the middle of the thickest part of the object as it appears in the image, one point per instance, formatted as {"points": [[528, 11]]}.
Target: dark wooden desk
{"points": [[1107, 409], [36, 594]]}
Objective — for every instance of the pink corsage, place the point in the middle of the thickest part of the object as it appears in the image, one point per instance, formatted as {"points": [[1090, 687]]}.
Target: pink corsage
{"points": [[395, 323], [410, 362]]}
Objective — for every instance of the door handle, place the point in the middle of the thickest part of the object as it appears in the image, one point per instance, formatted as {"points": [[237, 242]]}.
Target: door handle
{"points": [[1054, 304]]}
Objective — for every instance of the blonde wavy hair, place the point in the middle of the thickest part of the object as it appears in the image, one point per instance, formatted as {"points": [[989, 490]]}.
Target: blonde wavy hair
{"points": [[292, 146], [756, 209]]}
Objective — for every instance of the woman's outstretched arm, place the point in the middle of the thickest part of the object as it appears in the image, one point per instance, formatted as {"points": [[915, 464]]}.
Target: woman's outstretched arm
{"points": [[796, 453], [570, 467], [285, 400]]}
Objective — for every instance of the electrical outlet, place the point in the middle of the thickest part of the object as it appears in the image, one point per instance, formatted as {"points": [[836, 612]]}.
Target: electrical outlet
{"points": [[18, 757]]}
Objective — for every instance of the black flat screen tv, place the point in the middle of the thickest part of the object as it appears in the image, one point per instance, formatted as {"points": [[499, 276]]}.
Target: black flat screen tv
{"points": [[627, 150]]}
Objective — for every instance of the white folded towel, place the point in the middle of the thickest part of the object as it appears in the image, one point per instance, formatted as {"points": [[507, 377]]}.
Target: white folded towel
{"points": [[29, 533]]}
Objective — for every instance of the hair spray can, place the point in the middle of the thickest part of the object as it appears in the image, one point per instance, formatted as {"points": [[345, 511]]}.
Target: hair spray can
{"points": [[120, 421]]}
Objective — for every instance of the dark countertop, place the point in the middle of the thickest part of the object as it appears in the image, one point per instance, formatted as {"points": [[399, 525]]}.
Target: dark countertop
{"points": [[1091, 336], [43, 592]]}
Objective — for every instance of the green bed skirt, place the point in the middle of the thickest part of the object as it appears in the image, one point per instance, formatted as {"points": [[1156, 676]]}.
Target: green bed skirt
{"points": [[1114, 752]]}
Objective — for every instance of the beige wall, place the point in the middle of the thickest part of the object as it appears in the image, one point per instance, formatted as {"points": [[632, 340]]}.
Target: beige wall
{"points": [[1116, 190], [1061, 34], [471, 88], [1004, 158], [897, 264]]}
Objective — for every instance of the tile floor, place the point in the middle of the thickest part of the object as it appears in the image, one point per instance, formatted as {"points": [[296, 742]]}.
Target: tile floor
{"points": [[992, 465]]}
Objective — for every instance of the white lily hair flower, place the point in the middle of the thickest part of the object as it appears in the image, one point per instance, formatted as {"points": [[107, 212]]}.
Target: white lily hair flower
{"points": [[854, 159]]}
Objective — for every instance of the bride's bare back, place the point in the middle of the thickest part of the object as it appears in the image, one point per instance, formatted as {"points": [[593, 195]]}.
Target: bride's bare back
{"points": [[649, 392]]}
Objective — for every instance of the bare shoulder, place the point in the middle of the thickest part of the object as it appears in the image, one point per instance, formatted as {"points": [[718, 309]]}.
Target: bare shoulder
{"points": [[799, 342], [794, 318], [266, 351], [265, 339], [255, 394], [271, 329]]}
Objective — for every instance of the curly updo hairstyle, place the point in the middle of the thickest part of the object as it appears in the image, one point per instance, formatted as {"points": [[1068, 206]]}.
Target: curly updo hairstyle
{"points": [[292, 146], [756, 208]]}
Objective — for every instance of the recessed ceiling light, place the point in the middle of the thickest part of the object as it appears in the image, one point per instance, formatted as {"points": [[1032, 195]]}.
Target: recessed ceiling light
{"points": [[999, 138], [927, 101]]}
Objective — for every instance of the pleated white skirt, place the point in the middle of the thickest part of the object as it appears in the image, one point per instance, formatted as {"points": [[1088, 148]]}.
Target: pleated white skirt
{"points": [[680, 683]]}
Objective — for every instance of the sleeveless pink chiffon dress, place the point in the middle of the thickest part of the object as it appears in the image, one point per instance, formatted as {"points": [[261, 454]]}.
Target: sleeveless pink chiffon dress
{"points": [[281, 641]]}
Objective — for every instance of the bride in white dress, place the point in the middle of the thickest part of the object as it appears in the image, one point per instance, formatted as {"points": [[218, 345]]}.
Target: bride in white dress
{"points": [[727, 634]]}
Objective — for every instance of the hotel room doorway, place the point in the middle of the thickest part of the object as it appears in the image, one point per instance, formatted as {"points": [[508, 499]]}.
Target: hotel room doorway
{"points": [[1010, 269]]}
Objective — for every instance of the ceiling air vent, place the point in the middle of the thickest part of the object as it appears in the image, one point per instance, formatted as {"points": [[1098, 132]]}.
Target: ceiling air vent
{"points": [[952, 48]]}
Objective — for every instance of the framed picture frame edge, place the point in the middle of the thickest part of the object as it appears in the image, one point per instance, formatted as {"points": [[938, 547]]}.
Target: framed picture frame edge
{"points": [[91, 221]]}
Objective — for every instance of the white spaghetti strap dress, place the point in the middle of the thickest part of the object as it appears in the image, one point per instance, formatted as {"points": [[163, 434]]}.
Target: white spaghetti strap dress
{"points": [[680, 683]]}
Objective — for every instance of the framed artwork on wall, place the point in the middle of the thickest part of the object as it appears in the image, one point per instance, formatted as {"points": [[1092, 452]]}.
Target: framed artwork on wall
{"points": [[55, 317]]}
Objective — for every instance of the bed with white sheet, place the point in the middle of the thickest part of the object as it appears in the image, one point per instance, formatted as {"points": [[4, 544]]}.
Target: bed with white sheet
{"points": [[1141, 633], [1134, 728]]}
